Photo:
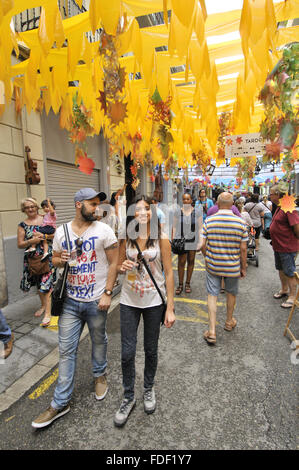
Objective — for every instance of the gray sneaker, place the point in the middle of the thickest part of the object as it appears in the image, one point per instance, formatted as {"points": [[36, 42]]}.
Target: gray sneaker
{"points": [[125, 409], [149, 400]]}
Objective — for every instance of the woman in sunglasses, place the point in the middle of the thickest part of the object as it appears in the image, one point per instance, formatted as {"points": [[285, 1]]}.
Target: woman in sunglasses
{"points": [[139, 297], [29, 234]]}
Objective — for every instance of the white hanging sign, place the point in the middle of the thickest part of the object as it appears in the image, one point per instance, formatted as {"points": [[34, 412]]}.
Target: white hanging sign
{"points": [[244, 145]]}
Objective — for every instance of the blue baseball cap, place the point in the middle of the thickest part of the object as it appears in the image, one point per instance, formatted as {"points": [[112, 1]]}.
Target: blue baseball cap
{"points": [[88, 193]]}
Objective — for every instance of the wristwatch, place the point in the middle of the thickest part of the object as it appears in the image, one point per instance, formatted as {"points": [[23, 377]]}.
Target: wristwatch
{"points": [[108, 292]]}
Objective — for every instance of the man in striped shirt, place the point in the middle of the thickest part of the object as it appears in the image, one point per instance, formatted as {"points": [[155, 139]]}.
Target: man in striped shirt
{"points": [[225, 249]]}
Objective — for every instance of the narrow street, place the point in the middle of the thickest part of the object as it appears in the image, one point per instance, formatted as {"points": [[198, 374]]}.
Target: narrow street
{"points": [[238, 394]]}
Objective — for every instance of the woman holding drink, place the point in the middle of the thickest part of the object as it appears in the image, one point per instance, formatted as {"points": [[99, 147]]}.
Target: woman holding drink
{"points": [[139, 297]]}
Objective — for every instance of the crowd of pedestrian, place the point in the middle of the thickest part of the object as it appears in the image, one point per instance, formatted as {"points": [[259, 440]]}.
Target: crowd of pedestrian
{"points": [[108, 240]]}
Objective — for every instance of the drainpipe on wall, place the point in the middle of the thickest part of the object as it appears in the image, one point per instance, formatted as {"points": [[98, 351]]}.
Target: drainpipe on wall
{"points": [[3, 280], [24, 139]]}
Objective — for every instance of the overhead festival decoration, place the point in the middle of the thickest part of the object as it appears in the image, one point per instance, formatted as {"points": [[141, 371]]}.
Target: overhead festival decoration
{"points": [[280, 96], [201, 59]]}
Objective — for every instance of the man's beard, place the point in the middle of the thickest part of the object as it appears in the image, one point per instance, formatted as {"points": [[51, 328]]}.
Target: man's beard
{"points": [[87, 216]]}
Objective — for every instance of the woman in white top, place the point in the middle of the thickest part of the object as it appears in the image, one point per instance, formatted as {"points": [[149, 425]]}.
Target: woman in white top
{"points": [[140, 297]]}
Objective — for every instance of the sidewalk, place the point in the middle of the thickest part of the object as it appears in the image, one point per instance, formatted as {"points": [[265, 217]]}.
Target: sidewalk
{"points": [[35, 350]]}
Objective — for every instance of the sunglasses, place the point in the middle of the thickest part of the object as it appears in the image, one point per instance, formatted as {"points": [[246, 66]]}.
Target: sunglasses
{"points": [[79, 243]]}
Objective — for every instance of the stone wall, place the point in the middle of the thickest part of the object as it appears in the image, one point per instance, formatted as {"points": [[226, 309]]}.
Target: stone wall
{"points": [[16, 131], [3, 283]]}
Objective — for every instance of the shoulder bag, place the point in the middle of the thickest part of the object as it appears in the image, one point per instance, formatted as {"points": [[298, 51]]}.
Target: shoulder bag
{"points": [[36, 266], [178, 244], [153, 280], [59, 291]]}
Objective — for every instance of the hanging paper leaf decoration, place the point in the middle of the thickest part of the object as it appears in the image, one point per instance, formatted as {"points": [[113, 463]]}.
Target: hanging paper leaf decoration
{"points": [[288, 134], [122, 78], [102, 100], [156, 97], [86, 165], [117, 112], [287, 203], [273, 149]]}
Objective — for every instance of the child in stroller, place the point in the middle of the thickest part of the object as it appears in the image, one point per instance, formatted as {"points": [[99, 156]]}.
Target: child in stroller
{"points": [[251, 246]]}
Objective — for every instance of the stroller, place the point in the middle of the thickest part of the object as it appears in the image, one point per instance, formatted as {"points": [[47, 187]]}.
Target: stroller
{"points": [[251, 247]]}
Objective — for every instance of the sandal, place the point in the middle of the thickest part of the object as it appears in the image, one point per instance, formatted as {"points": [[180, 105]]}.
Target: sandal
{"points": [[287, 304], [46, 321], [188, 289], [230, 325], [279, 295], [209, 337], [179, 289]]}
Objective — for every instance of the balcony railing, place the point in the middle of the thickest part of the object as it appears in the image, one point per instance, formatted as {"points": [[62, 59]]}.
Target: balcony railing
{"points": [[29, 19]]}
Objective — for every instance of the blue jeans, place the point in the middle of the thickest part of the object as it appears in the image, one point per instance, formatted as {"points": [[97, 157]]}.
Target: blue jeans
{"points": [[71, 322], [285, 262], [129, 322], [5, 331]]}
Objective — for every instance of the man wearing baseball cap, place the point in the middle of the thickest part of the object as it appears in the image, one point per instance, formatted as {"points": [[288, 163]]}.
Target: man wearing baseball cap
{"points": [[91, 277]]}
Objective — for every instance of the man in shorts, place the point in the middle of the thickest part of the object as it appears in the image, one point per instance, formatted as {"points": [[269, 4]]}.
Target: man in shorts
{"points": [[284, 232], [225, 249]]}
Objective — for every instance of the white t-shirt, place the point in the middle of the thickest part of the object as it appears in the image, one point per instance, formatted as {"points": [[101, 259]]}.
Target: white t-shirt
{"points": [[88, 273], [138, 289]]}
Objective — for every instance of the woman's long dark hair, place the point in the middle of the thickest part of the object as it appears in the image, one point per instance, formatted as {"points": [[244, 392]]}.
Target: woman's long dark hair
{"points": [[155, 231]]}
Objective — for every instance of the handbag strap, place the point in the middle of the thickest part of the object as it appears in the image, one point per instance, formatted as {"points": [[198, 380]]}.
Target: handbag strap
{"points": [[251, 208], [66, 266], [67, 237], [149, 271]]}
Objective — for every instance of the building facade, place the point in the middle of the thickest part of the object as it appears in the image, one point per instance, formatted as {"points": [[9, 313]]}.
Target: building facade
{"points": [[59, 180]]}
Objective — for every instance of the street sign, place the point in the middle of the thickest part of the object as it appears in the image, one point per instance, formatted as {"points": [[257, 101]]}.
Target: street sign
{"points": [[244, 145]]}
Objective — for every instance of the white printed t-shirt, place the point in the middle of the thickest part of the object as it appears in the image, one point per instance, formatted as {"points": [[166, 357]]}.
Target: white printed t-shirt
{"points": [[87, 278]]}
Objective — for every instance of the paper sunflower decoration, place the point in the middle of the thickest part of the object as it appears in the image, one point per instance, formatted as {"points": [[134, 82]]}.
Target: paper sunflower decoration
{"points": [[287, 203], [117, 112]]}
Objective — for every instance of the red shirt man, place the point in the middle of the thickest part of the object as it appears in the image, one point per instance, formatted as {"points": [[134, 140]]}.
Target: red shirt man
{"points": [[284, 231], [282, 234]]}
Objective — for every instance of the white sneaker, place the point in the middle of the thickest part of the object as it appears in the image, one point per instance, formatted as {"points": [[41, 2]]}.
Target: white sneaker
{"points": [[124, 411], [149, 401]]}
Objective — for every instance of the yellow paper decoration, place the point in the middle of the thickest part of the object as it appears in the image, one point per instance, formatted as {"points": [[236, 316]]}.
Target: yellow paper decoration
{"points": [[59, 52], [287, 203]]}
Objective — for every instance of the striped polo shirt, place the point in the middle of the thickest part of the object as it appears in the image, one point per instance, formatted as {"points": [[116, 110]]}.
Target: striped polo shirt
{"points": [[224, 233]]}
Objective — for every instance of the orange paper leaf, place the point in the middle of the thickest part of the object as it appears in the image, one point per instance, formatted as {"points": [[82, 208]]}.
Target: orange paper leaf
{"points": [[117, 112], [287, 203], [86, 165]]}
